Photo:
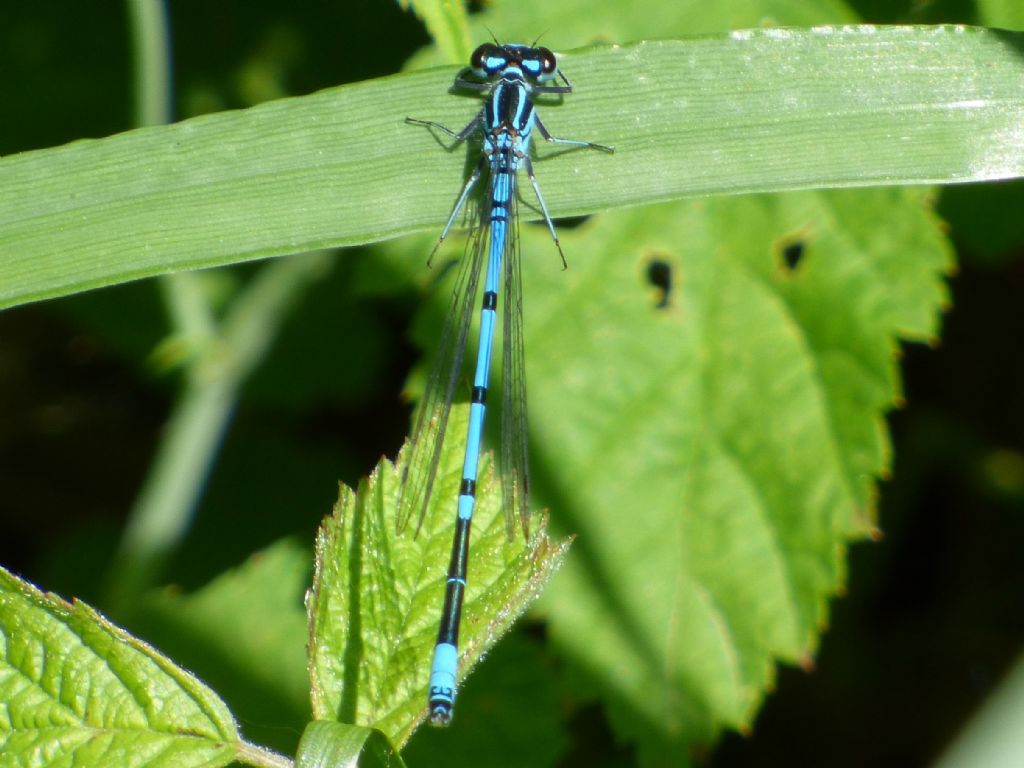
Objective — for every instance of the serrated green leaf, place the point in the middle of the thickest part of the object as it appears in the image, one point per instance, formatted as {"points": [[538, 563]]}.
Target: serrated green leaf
{"points": [[377, 595], [78, 691], [761, 110], [715, 455]]}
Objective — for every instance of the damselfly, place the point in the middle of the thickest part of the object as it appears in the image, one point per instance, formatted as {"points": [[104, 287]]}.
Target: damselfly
{"points": [[509, 75]]}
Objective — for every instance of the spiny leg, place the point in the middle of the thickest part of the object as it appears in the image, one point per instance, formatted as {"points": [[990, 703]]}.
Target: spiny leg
{"points": [[544, 208], [568, 142]]}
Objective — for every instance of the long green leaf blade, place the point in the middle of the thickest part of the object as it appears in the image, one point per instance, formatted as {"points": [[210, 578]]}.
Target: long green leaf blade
{"points": [[766, 110]]}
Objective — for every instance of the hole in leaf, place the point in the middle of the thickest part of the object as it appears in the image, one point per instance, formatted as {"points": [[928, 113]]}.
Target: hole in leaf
{"points": [[792, 255], [659, 275]]}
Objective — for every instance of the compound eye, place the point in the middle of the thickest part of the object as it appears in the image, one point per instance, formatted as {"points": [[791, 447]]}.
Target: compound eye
{"points": [[476, 59], [549, 64], [487, 59]]}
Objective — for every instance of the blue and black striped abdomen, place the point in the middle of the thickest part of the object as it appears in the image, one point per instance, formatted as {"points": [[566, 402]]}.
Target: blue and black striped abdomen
{"points": [[510, 75]]}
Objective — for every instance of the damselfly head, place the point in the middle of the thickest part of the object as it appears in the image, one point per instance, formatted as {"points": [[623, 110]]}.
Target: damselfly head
{"points": [[490, 59]]}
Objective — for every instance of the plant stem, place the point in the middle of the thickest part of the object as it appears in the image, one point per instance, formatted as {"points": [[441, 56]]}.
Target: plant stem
{"points": [[223, 358], [250, 754]]}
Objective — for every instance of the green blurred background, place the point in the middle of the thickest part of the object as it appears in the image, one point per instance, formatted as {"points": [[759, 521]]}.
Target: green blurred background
{"points": [[934, 614]]}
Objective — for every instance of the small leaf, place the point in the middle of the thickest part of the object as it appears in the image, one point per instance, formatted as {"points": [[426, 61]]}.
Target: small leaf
{"points": [[76, 690], [337, 745], [377, 595]]}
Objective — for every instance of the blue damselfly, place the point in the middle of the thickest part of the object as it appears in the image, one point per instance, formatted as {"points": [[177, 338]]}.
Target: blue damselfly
{"points": [[510, 76]]}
